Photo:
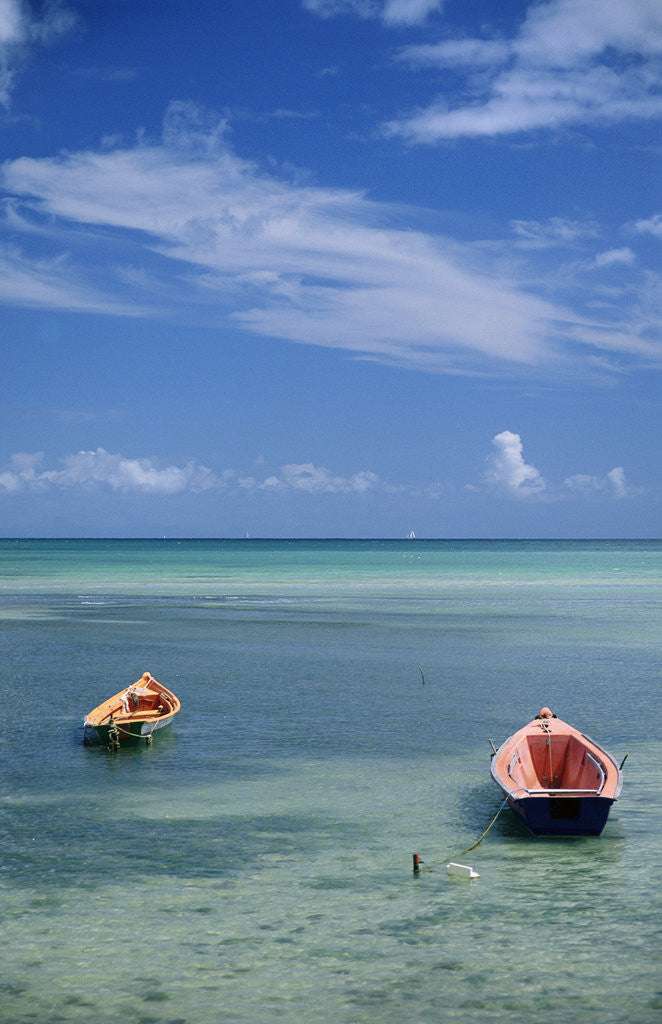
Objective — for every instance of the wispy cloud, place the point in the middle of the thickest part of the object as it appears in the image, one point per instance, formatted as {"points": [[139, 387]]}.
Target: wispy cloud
{"points": [[572, 62], [182, 227], [391, 12], [556, 231], [56, 282], [409, 12]]}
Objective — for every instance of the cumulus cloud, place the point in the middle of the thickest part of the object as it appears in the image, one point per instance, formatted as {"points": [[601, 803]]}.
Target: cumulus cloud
{"points": [[614, 483], [508, 472], [22, 472], [21, 28], [86, 472], [313, 479], [92, 469], [571, 62], [616, 478]]}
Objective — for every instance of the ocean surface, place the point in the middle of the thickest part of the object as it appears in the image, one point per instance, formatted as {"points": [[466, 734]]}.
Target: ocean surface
{"points": [[254, 864]]}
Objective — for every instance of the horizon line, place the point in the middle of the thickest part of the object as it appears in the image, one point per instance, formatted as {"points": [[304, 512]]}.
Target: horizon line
{"points": [[319, 539]]}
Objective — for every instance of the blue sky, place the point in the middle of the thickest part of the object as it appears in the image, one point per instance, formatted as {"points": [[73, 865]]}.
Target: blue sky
{"points": [[331, 268]]}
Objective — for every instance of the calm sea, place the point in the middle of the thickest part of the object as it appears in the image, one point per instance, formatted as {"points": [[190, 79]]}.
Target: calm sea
{"points": [[254, 864]]}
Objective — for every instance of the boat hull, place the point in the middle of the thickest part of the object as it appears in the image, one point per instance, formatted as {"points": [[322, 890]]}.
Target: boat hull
{"points": [[129, 732], [563, 816], [557, 780]]}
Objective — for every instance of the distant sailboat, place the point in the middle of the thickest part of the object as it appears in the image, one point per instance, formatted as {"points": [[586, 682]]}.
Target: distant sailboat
{"points": [[411, 535]]}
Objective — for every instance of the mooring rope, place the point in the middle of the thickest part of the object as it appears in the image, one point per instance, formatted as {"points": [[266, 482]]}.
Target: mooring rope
{"points": [[115, 730], [137, 735], [422, 866]]}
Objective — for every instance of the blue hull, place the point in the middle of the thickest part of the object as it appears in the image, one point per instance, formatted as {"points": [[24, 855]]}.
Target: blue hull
{"points": [[563, 816]]}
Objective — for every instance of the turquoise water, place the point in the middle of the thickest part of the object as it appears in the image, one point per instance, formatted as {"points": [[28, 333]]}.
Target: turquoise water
{"points": [[254, 863]]}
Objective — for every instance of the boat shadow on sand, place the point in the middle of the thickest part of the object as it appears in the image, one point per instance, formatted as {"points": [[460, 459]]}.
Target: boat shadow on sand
{"points": [[476, 809], [88, 740], [509, 845]]}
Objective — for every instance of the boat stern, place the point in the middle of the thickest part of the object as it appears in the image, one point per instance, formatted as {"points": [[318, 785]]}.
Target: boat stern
{"points": [[563, 816]]}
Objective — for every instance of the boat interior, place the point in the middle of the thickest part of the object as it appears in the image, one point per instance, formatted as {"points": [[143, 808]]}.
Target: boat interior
{"points": [[557, 764], [137, 703], [141, 702]]}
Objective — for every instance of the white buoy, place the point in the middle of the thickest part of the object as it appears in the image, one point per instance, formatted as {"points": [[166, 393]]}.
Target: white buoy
{"points": [[462, 871]]}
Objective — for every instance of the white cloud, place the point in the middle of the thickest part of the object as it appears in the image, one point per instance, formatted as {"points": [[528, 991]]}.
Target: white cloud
{"points": [[315, 480], [20, 28], [94, 468], [409, 12], [334, 8], [507, 471], [572, 62], [651, 225], [99, 468], [12, 27], [56, 283], [190, 229], [613, 482], [457, 53], [86, 472], [553, 232], [565, 32], [622, 256], [22, 471], [584, 483], [616, 478], [391, 12], [318, 266]]}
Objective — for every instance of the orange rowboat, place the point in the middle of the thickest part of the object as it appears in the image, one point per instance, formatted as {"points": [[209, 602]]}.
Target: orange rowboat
{"points": [[133, 714], [556, 779]]}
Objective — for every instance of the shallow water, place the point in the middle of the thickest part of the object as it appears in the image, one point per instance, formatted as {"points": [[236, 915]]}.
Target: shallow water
{"points": [[254, 863]]}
